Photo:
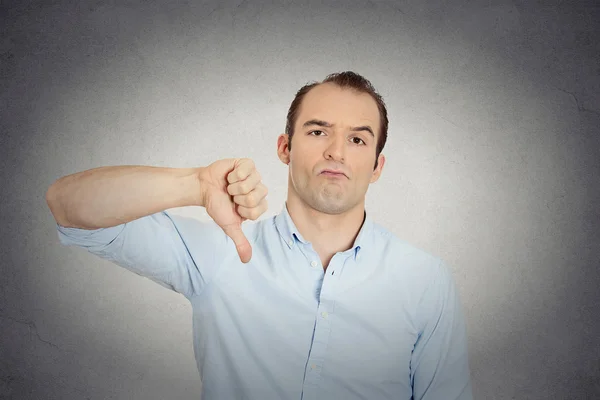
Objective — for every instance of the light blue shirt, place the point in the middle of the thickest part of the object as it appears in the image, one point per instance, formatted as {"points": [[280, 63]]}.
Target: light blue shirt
{"points": [[384, 321]]}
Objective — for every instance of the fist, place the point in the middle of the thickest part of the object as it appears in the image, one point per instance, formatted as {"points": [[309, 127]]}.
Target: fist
{"points": [[232, 193]]}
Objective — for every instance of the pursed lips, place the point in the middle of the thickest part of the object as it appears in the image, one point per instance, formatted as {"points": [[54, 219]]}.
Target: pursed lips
{"points": [[329, 172]]}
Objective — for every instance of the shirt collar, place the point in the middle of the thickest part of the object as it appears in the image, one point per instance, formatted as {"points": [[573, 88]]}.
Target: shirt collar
{"points": [[290, 234]]}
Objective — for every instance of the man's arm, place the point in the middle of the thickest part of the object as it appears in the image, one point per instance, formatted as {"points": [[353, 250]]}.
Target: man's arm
{"points": [[118, 214], [108, 196], [439, 363]]}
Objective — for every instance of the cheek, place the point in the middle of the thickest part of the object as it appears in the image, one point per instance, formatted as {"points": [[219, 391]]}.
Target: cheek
{"points": [[299, 173], [365, 177], [302, 163]]}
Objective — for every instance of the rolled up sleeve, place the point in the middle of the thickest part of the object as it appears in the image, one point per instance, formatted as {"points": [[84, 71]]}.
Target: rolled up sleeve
{"points": [[439, 363], [175, 251]]}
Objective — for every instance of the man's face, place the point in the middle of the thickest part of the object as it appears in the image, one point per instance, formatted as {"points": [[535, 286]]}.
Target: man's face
{"points": [[316, 147]]}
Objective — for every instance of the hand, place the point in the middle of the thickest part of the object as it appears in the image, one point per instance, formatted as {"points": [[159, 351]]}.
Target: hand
{"points": [[232, 192]]}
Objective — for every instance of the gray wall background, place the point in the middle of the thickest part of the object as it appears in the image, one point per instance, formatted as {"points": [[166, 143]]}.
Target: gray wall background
{"points": [[493, 163]]}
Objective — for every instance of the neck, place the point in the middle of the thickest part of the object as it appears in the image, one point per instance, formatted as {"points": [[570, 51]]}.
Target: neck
{"points": [[328, 233]]}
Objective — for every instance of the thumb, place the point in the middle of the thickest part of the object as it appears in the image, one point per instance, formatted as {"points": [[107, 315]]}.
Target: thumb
{"points": [[234, 231]]}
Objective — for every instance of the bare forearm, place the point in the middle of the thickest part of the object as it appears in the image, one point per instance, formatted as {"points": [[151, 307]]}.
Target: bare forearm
{"points": [[108, 196]]}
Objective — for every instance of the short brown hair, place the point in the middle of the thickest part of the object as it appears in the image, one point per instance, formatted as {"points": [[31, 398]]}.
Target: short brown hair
{"points": [[349, 80]]}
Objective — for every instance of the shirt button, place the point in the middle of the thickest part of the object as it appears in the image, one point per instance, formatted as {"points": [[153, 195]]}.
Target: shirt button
{"points": [[291, 242], [313, 366], [314, 264], [324, 314]]}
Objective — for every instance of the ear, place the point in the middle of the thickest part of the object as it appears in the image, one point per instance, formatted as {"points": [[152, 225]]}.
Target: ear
{"points": [[378, 170], [283, 151]]}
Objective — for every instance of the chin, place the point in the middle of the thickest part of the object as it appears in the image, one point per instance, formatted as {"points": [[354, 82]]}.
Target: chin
{"points": [[329, 206]]}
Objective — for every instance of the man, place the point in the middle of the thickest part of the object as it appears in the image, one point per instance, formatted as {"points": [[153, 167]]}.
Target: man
{"points": [[318, 302]]}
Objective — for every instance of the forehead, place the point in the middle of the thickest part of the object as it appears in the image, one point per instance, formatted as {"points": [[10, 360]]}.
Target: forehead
{"points": [[339, 106]]}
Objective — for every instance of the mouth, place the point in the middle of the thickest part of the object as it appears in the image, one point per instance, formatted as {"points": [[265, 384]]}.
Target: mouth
{"points": [[333, 174]]}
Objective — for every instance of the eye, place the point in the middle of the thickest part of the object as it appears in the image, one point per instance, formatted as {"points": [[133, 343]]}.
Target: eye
{"points": [[311, 132], [356, 137]]}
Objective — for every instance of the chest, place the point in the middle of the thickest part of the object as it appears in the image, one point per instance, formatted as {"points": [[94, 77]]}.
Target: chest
{"points": [[354, 326]]}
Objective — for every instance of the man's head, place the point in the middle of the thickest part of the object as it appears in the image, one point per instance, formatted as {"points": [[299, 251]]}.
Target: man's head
{"points": [[346, 80], [341, 124]]}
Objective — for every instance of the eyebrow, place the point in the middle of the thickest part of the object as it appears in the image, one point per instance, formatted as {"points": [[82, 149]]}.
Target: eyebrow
{"points": [[328, 125]]}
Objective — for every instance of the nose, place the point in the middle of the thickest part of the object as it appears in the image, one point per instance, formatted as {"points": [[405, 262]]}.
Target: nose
{"points": [[335, 150]]}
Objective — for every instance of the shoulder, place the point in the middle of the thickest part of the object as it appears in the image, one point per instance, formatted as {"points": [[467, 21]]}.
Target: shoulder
{"points": [[407, 262], [401, 253], [422, 279]]}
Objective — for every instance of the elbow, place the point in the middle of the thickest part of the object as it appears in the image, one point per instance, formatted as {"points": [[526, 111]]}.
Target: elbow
{"points": [[52, 200], [52, 196]]}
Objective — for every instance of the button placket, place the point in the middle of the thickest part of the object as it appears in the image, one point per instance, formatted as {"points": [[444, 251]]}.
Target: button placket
{"points": [[322, 331]]}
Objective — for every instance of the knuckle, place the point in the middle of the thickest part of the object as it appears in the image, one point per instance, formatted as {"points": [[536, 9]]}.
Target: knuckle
{"points": [[239, 200], [245, 187], [239, 173], [245, 200], [231, 177], [246, 166]]}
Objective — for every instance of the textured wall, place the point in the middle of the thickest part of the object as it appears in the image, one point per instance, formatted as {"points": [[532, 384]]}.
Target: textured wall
{"points": [[493, 163]]}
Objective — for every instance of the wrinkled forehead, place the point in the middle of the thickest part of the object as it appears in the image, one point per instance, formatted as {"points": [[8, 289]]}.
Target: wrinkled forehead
{"points": [[339, 106]]}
